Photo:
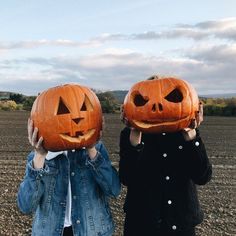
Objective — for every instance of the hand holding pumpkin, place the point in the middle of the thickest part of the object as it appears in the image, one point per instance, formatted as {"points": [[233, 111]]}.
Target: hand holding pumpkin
{"points": [[135, 136], [190, 132], [92, 152], [37, 144]]}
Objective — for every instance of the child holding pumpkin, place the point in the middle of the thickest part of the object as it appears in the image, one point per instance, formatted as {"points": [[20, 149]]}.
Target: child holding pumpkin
{"points": [[68, 190], [161, 161]]}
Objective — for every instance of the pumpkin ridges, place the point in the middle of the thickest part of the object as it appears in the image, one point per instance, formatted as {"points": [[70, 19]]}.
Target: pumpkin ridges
{"points": [[82, 94], [157, 90], [73, 97], [162, 97], [49, 123], [180, 105], [192, 105], [94, 99]]}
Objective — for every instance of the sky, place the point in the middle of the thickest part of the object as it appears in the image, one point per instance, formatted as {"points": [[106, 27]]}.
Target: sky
{"points": [[111, 45]]}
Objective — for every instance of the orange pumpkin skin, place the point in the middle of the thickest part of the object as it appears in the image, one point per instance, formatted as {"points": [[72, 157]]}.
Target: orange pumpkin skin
{"points": [[161, 105], [68, 117]]}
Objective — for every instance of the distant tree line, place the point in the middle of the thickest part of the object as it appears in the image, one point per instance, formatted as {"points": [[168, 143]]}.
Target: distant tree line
{"points": [[219, 106], [18, 101], [25, 101], [109, 103]]}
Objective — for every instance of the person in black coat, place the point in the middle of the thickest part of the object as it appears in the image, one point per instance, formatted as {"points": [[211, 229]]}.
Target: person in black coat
{"points": [[161, 172]]}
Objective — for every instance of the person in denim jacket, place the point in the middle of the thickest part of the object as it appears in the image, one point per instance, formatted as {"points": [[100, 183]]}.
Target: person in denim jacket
{"points": [[68, 191]]}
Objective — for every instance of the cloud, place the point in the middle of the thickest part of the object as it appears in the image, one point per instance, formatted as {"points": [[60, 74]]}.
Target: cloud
{"points": [[222, 24], [209, 68], [223, 53], [219, 29], [208, 64], [225, 28], [29, 44]]}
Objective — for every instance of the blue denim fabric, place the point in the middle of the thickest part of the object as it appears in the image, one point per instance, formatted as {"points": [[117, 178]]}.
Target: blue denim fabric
{"points": [[43, 192]]}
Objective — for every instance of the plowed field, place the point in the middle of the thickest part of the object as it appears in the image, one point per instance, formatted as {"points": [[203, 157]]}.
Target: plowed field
{"points": [[218, 198]]}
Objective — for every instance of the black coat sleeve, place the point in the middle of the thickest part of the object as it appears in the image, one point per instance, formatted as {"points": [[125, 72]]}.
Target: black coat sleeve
{"points": [[199, 166], [129, 159]]}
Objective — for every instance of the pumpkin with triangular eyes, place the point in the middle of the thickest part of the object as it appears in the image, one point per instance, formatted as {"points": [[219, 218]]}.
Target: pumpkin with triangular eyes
{"points": [[165, 104], [68, 117]]}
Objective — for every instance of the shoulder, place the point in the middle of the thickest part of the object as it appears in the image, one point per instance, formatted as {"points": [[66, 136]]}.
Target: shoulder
{"points": [[100, 146]]}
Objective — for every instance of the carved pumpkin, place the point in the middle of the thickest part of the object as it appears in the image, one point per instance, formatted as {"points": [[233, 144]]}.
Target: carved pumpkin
{"points": [[68, 117], [161, 105]]}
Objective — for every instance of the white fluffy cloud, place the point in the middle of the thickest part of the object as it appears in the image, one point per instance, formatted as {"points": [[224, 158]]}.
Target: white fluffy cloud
{"points": [[209, 65], [207, 68], [219, 29]]}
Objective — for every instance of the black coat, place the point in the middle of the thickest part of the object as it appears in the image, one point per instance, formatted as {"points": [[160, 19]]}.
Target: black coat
{"points": [[160, 176]]}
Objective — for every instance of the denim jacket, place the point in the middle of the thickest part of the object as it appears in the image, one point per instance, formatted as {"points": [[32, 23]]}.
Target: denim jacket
{"points": [[43, 192]]}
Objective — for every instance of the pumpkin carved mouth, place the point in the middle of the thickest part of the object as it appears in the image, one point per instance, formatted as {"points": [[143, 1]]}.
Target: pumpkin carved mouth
{"points": [[79, 136], [157, 123]]}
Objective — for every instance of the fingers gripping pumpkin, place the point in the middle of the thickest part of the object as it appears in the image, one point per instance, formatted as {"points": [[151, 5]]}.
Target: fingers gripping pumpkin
{"points": [[68, 117], [161, 105]]}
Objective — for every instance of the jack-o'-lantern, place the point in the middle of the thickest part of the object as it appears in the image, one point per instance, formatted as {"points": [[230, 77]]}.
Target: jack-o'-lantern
{"points": [[68, 117], [161, 105]]}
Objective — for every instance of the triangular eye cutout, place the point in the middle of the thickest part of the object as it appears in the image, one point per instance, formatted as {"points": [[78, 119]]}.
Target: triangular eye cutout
{"points": [[139, 100], [175, 96], [62, 108], [87, 105]]}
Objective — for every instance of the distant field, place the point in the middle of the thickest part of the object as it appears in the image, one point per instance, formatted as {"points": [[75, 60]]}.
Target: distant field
{"points": [[217, 198]]}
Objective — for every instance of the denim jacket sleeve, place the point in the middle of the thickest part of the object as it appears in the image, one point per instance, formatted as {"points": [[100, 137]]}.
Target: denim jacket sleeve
{"points": [[31, 188], [104, 173]]}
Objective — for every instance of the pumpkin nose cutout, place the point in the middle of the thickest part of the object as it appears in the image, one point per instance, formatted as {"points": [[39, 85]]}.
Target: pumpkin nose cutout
{"points": [[77, 120], [154, 107], [160, 107]]}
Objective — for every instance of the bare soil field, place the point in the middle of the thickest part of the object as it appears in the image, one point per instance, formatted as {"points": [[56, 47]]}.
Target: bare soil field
{"points": [[218, 198]]}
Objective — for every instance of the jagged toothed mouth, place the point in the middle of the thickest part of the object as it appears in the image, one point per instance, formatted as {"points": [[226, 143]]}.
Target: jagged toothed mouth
{"points": [[156, 123], [79, 136]]}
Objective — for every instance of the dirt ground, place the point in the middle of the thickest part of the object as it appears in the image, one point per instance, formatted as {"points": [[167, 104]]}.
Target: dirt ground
{"points": [[218, 198]]}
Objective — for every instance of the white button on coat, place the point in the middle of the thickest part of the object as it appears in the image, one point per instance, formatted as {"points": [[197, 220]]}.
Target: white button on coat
{"points": [[180, 147], [164, 155], [78, 222], [197, 143], [72, 173], [174, 227], [167, 177], [169, 202], [163, 134]]}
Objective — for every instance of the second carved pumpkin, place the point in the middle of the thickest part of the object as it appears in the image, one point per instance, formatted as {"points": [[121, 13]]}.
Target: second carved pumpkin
{"points": [[161, 105], [68, 117]]}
